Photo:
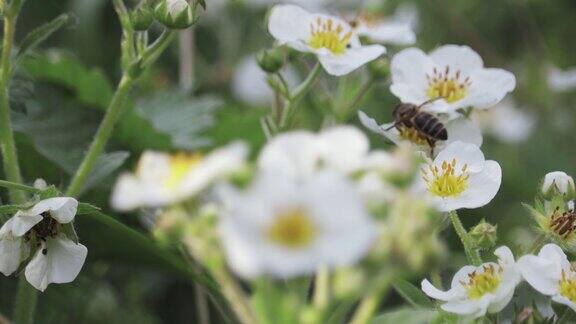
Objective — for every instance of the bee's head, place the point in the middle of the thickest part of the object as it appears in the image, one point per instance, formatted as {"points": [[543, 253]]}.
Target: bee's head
{"points": [[404, 111]]}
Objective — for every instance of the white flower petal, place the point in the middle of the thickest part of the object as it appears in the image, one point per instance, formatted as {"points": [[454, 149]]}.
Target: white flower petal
{"points": [[61, 264], [505, 256], [475, 308], [390, 32], [560, 179], [350, 60], [24, 222], [462, 275], [457, 57], [127, 193], [62, 209], [540, 273], [409, 68], [500, 302], [290, 24], [561, 81], [489, 87], [217, 165], [464, 153], [463, 130], [433, 292], [482, 186], [565, 301], [13, 250], [343, 148], [295, 153]]}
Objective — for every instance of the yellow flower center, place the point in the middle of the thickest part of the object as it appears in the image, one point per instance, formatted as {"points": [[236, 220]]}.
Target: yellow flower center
{"points": [[481, 283], [568, 286], [412, 135], [450, 87], [180, 165], [445, 182], [292, 229], [327, 34]]}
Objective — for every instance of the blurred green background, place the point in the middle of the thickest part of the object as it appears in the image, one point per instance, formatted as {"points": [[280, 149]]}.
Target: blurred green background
{"points": [[61, 91]]}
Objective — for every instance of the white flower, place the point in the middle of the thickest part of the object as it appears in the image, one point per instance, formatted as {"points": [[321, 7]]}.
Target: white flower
{"points": [[58, 259], [396, 29], [550, 274], [454, 73], [459, 129], [507, 122], [300, 154], [460, 177], [249, 83], [560, 180], [477, 290], [332, 39], [285, 228], [561, 81], [162, 179]]}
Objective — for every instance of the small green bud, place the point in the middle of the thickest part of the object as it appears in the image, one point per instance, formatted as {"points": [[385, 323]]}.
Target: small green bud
{"points": [[380, 68], [270, 60], [558, 183], [176, 14], [484, 235], [141, 17]]}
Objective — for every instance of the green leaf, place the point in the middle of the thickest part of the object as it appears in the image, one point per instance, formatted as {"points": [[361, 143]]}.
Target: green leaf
{"points": [[405, 315], [91, 87], [40, 34], [184, 119], [412, 294], [61, 132]]}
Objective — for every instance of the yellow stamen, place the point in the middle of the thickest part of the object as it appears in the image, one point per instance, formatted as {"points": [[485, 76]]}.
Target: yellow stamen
{"points": [[445, 182], [326, 34], [568, 286], [292, 229], [180, 165], [412, 135], [451, 88], [481, 283]]}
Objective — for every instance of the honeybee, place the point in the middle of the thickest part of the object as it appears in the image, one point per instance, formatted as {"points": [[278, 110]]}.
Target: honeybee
{"points": [[409, 116]]}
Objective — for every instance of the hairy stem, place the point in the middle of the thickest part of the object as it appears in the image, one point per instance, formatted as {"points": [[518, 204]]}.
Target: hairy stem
{"points": [[25, 306], [471, 252], [7, 144], [321, 297], [102, 135], [297, 94]]}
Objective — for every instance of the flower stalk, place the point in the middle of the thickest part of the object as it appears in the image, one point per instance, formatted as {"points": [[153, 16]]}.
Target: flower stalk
{"points": [[471, 252], [102, 135], [297, 94], [133, 64]]}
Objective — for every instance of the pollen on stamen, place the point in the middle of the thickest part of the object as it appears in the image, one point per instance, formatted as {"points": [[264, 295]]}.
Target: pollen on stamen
{"points": [[447, 86], [446, 183], [330, 35]]}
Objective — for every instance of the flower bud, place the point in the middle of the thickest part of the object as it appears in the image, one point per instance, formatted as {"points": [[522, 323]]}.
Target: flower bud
{"points": [[175, 14], [484, 235], [558, 183], [141, 17], [270, 60], [380, 68]]}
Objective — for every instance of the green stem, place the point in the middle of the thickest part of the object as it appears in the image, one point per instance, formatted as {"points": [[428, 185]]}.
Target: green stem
{"points": [[26, 297], [297, 94], [102, 135], [7, 143], [369, 304], [321, 297], [18, 186], [235, 296], [471, 252], [25, 306]]}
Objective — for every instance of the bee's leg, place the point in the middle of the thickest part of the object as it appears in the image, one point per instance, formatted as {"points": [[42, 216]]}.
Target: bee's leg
{"points": [[432, 144]]}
